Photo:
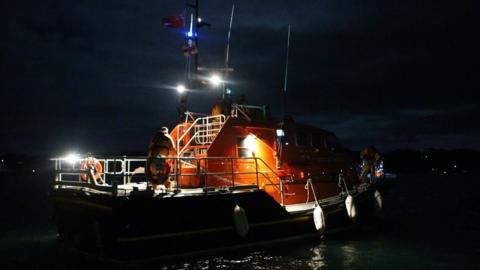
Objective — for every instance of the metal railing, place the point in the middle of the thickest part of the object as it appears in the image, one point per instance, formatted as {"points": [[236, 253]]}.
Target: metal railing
{"points": [[204, 131], [245, 111], [206, 172], [114, 168], [209, 127]]}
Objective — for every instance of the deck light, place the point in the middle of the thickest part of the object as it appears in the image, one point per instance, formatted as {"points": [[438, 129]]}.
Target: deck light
{"points": [[71, 158], [250, 143], [280, 133], [215, 79], [180, 88]]}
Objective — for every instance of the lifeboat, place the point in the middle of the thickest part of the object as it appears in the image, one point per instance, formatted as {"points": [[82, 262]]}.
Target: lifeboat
{"points": [[240, 178]]}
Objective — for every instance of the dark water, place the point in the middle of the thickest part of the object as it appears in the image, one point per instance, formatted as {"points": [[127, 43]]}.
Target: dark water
{"points": [[428, 222]]}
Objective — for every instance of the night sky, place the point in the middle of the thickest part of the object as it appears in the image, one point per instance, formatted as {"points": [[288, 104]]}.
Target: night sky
{"points": [[97, 75]]}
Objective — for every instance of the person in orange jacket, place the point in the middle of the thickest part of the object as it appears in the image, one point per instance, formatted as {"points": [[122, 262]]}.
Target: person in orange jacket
{"points": [[161, 147]]}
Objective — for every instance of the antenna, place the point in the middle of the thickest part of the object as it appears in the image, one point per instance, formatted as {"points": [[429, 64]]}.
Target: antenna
{"points": [[286, 74], [196, 31], [227, 54]]}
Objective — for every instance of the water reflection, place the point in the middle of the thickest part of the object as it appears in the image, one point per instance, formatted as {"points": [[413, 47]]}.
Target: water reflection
{"points": [[318, 260], [350, 256]]}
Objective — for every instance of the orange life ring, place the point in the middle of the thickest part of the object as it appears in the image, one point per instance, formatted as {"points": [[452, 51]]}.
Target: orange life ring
{"points": [[86, 164], [158, 170]]}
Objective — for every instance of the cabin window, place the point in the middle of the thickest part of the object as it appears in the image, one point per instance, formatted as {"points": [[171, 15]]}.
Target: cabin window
{"points": [[318, 140], [303, 138], [282, 136], [332, 143]]}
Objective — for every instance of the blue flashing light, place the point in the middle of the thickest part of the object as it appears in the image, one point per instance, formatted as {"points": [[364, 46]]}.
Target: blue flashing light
{"points": [[190, 34]]}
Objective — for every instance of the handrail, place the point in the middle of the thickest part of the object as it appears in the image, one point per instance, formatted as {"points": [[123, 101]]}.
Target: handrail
{"points": [[66, 172], [279, 180], [179, 139], [204, 127], [239, 108]]}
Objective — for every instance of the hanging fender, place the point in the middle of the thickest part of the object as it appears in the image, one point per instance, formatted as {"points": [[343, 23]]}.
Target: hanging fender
{"points": [[319, 219], [378, 200], [351, 207], [240, 221]]}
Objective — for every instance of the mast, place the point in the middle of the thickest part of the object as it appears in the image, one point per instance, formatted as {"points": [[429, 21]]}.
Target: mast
{"points": [[196, 35], [227, 53], [286, 74]]}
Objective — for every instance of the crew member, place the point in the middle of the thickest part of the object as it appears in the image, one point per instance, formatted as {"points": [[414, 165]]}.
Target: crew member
{"points": [[217, 108], [370, 157], [161, 146], [94, 166]]}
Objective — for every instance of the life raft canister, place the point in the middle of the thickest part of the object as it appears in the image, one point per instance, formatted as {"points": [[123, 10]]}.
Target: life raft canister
{"points": [[87, 164]]}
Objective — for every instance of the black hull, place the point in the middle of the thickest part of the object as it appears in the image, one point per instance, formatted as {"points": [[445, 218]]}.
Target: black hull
{"points": [[145, 226]]}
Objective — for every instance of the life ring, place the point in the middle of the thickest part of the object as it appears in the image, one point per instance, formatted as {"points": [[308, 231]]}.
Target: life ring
{"points": [[319, 219], [158, 169], [351, 208], [240, 221], [87, 164]]}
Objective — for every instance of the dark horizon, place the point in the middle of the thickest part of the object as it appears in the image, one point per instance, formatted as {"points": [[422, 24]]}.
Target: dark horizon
{"points": [[97, 77]]}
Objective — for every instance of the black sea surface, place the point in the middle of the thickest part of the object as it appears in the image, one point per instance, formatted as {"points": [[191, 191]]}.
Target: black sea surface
{"points": [[428, 222]]}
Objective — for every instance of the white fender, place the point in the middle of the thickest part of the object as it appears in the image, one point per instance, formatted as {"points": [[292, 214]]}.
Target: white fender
{"points": [[351, 208], [378, 200], [240, 221], [319, 219]]}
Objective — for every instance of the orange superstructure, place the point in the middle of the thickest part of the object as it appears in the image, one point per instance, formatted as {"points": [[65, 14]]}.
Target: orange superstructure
{"points": [[247, 148]]}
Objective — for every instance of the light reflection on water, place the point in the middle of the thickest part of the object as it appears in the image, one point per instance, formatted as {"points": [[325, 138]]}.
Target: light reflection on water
{"points": [[350, 255], [318, 259], [316, 255], [373, 252]]}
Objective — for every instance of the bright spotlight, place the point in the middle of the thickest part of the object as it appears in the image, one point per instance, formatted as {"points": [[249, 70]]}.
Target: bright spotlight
{"points": [[215, 79], [180, 88], [71, 158], [250, 142]]}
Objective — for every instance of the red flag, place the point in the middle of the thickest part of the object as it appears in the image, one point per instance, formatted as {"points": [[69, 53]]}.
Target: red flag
{"points": [[174, 21]]}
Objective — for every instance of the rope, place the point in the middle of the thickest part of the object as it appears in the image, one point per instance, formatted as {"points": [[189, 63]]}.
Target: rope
{"points": [[342, 179], [309, 181]]}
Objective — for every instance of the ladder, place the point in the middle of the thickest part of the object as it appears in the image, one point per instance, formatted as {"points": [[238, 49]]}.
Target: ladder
{"points": [[204, 130]]}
